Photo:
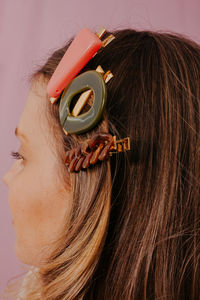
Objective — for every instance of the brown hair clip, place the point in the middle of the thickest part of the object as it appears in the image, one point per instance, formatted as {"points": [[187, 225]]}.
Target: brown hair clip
{"points": [[99, 147]]}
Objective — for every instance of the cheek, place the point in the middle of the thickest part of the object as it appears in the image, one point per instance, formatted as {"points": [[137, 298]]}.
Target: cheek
{"points": [[25, 200], [37, 207]]}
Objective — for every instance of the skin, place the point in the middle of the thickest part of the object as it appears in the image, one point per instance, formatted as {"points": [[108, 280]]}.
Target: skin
{"points": [[37, 199]]}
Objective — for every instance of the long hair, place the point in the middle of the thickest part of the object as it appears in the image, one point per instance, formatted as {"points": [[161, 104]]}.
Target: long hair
{"points": [[134, 226]]}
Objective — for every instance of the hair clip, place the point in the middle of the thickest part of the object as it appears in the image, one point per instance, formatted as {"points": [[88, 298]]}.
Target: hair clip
{"points": [[90, 83], [84, 46], [98, 148]]}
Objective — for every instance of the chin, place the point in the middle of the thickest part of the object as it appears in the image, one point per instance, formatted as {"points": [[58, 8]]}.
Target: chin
{"points": [[20, 254], [24, 256]]}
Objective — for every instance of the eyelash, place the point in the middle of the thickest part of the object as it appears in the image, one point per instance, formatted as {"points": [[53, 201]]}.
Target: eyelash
{"points": [[16, 155]]}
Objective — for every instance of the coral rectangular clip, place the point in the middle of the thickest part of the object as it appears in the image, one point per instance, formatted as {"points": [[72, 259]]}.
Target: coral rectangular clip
{"points": [[82, 49]]}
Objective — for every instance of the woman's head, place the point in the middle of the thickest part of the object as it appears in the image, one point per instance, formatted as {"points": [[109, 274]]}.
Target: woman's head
{"points": [[37, 199], [129, 221]]}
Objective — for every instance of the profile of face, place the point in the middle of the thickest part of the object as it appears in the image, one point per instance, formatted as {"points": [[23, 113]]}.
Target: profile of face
{"points": [[37, 200]]}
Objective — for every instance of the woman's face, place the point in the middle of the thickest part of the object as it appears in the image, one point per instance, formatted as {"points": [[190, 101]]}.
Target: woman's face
{"points": [[37, 199]]}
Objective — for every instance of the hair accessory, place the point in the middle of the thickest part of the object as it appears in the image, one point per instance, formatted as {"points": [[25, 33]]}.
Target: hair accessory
{"points": [[91, 83], [98, 148], [81, 50], [84, 46], [64, 85]]}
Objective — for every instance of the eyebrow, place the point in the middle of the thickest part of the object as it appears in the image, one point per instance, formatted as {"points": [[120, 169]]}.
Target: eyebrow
{"points": [[19, 133]]}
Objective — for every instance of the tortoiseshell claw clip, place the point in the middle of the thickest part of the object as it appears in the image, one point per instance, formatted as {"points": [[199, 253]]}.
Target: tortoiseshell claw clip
{"points": [[98, 147]]}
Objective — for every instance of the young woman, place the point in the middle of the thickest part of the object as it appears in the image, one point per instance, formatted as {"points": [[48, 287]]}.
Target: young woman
{"points": [[127, 227]]}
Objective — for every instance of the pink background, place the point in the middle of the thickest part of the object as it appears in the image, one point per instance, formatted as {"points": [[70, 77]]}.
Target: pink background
{"points": [[29, 31]]}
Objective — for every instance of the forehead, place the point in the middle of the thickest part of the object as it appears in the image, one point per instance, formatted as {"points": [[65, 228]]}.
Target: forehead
{"points": [[32, 121]]}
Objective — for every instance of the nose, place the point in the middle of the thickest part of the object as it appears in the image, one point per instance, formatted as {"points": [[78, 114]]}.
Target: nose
{"points": [[8, 177], [5, 179]]}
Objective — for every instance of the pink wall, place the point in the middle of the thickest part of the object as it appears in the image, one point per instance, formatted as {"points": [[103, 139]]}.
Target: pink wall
{"points": [[29, 30]]}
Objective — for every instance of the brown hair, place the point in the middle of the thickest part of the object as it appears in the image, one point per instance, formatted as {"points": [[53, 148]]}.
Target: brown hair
{"points": [[134, 226]]}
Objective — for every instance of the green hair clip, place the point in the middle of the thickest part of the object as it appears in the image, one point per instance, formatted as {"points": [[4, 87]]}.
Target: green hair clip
{"points": [[88, 82]]}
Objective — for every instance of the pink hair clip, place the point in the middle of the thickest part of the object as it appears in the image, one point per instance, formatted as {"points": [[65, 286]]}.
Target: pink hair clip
{"points": [[82, 49]]}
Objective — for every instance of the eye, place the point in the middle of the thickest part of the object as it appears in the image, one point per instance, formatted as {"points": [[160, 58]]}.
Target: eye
{"points": [[16, 155]]}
